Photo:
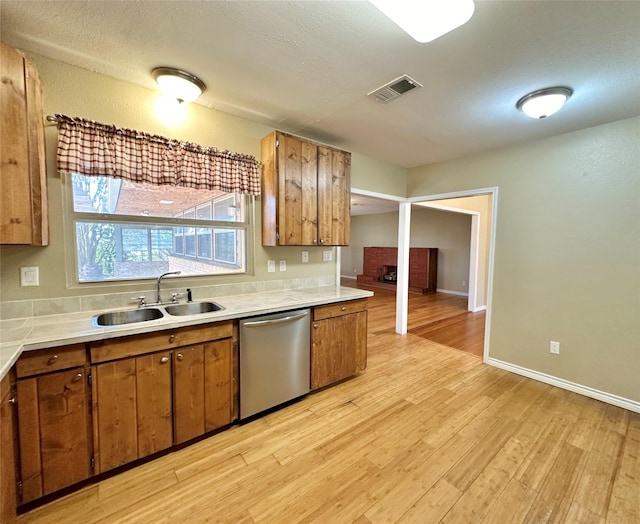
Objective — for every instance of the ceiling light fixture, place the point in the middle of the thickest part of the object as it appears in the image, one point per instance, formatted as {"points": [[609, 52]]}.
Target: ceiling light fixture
{"points": [[544, 102], [425, 21], [178, 84]]}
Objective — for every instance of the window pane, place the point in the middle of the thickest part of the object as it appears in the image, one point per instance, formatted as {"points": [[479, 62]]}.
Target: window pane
{"points": [[93, 194], [226, 246], [178, 241], [190, 241], [112, 251], [161, 244], [135, 244], [204, 242], [228, 208]]}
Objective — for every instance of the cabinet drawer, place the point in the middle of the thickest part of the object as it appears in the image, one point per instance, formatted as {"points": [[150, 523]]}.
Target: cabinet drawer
{"points": [[341, 308], [133, 345], [46, 360]]}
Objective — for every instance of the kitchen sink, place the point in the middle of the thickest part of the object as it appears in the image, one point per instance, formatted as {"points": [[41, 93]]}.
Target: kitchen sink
{"points": [[193, 308], [117, 318]]}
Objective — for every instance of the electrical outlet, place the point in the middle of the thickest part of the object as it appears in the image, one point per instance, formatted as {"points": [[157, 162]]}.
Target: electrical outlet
{"points": [[554, 347], [30, 276], [283, 265], [271, 266], [305, 257], [327, 256], [464, 283]]}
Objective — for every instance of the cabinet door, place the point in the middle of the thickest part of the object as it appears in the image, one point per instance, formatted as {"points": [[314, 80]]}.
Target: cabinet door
{"points": [[218, 383], [154, 412], [53, 432], [334, 197], [359, 339], [16, 201], [23, 212], [132, 409], [333, 356], [297, 191], [188, 393], [114, 413], [203, 388], [7, 458]]}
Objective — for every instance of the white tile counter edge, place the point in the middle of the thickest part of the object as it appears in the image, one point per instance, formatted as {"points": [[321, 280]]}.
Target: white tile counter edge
{"points": [[27, 334]]}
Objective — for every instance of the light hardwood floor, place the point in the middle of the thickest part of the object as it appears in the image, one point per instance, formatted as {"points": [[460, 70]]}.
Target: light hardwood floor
{"points": [[427, 434], [439, 317]]}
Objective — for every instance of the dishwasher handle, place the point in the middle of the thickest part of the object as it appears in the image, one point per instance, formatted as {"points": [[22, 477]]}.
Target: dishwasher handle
{"points": [[275, 320]]}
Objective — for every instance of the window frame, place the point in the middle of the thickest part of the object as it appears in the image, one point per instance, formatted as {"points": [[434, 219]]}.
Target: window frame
{"points": [[72, 217]]}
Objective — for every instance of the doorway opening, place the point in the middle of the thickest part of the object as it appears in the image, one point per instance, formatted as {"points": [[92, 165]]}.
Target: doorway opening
{"points": [[461, 319]]}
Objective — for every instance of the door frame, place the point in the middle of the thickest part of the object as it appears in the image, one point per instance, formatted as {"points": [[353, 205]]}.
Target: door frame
{"points": [[404, 229]]}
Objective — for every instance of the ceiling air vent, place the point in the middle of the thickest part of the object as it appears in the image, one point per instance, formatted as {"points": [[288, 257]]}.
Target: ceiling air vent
{"points": [[401, 85]]}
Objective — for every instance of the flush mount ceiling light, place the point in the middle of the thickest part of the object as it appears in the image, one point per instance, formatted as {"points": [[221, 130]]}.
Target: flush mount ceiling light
{"points": [[178, 84], [425, 20], [544, 102]]}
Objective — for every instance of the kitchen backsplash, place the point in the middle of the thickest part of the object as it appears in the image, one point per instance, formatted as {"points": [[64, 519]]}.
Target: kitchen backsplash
{"points": [[101, 302]]}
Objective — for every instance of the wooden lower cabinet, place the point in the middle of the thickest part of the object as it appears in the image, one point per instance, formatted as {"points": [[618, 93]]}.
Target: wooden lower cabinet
{"points": [[132, 415], [54, 438], [202, 389], [83, 410], [7, 455], [147, 403], [338, 342]]}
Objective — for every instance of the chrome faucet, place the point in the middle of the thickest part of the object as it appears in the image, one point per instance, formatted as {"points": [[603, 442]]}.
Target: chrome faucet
{"points": [[158, 297]]}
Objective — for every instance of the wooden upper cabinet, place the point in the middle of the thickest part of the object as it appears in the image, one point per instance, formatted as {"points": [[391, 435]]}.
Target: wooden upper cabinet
{"points": [[23, 185], [306, 192], [334, 197]]}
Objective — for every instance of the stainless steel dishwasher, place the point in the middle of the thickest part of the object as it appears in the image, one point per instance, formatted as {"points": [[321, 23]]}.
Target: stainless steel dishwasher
{"points": [[275, 360]]}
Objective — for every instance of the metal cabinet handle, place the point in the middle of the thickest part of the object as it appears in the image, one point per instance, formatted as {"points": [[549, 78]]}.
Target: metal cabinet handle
{"points": [[172, 337], [343, 308], [77, 377], [52, 359], [315, 326], [164, 360], [180, 356], [12, 400]]}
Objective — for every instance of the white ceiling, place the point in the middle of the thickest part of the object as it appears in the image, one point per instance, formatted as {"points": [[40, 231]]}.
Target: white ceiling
{"points": [[306, 66]]}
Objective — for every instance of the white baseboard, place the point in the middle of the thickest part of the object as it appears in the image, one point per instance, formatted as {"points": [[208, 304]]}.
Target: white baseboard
{"points": [[609, 398], [348, 277], [460, 293], [479, 308]]}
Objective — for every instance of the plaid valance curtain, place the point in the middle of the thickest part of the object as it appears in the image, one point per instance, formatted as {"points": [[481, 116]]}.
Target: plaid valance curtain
{"points": [[90, 148]]}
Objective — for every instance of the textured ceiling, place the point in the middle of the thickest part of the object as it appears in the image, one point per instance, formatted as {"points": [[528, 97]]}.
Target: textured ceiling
{"points": [[306, 67]]}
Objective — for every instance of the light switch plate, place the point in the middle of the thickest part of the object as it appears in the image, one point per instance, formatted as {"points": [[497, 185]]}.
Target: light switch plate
{"points": [[30, 276], [271, 266], [305, 257], [283, 265], [327, 256]]}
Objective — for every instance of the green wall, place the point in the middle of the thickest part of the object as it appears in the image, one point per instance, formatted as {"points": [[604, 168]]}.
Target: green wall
{"points": [[567, 251]]}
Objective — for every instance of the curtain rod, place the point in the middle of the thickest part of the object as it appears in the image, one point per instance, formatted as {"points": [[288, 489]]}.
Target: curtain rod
{"points": [[51, 121]]}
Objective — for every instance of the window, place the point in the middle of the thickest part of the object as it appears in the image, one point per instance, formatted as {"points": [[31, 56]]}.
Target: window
{"points": [[126, 230]]}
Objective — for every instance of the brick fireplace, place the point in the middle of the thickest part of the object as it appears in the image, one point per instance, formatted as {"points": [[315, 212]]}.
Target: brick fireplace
{"points": [[380, 265]]}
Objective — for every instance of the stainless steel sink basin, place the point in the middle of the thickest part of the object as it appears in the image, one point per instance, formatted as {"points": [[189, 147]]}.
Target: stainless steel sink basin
{"points": [[117, 318], [193, 308]]}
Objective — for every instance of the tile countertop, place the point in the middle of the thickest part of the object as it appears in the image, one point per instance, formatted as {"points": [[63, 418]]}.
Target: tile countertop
{"points": [[26, 334]]}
